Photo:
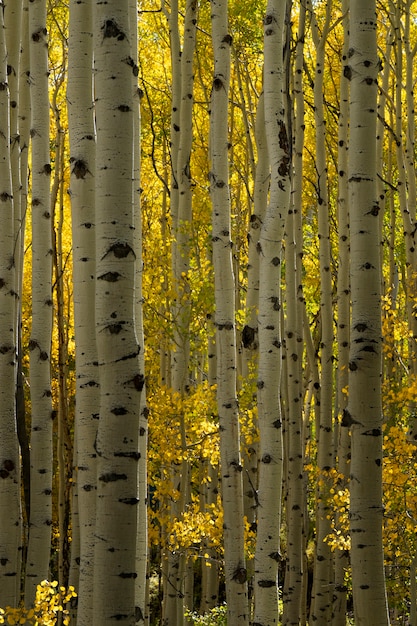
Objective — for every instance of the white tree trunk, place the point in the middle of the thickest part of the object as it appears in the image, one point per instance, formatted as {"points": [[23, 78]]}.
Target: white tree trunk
{"points": [[37, 567], [267, 553], [82, 192], [365, 410], [230, 461], [342, 441], [181, 212], [11, 523], [23, 114], [142, 513], [293, 597], [121, 380], [323, 563]]}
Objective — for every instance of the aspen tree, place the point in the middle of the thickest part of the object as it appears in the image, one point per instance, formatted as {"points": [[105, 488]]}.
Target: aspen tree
{"points": [[181, 197], [293, 599], [120, 377], [41, 453], [342, 443], [410, 51], [142, 513], [64, 465], [181, 213], [267, 555], [13, 31], [208, 496], [23, 122], [364, 406], [250, 330], [210, 568], [406, 183], [262, 179], [230, 461], [82, 194], [323, 563], [13, 25], [11, 523]]}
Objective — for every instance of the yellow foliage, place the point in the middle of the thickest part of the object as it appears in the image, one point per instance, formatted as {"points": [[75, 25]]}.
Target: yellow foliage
{"points": [[49, 601], [195, 527]]}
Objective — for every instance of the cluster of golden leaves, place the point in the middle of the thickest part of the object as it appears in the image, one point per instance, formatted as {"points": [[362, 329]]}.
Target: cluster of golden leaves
{"points": [[50, 600]]}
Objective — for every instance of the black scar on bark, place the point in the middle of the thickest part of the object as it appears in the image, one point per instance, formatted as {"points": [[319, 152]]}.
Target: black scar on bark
{"points": [[110, 277], [5, 348], [80, 168], [128, 455], [347, 419], [361, 327], [368, 349], [128, 575], [249, 338], [120, 250], [127, 357], [347, 72], [373, 432], [37, 35], [131, 501], [138, 382], [114, 329], [110, 29], [138, 614], [266, 583], [217, 84], [119, 410], [33, 344], [90, 383], [240, 575], [226, 326], [111, 477], [276, 303], [133, 65]]}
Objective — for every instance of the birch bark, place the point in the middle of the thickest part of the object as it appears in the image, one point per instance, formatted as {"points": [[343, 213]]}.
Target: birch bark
{"points": [[364, 405], [267, 553], [37, 567], [142, 513], [10, 522], [82, 194], [323, 563], [121, 380], [342, 439], [181, 213], [293, 597], [230, 460]]}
